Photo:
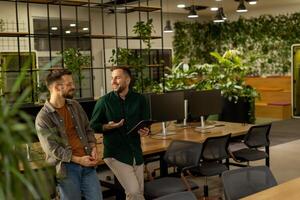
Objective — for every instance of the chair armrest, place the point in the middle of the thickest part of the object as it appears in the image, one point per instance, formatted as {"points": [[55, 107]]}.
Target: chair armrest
{"points": [[232, 156], [186, 169]]}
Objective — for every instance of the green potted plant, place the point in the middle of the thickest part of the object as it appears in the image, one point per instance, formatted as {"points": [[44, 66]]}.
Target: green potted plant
{"points": [[228, 74]]}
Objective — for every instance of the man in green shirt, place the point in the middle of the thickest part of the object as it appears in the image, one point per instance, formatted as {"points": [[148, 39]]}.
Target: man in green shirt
{"points": [[114, 115]]}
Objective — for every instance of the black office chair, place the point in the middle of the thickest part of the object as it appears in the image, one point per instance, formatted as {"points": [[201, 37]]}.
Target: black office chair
{"points": [[214, 152], [188, 195], [256, 137], [183, 155], [242, 182]]}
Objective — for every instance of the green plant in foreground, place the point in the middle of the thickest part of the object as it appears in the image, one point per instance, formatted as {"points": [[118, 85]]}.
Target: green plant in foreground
{"points": [[16, 130]]}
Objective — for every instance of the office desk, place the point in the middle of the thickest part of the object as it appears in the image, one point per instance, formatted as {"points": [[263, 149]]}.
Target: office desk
{"points": [[154, 144], [289, 190]]}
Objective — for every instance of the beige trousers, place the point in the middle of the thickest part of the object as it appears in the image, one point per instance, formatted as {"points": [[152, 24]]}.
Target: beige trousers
{"points": [[131, 177]]}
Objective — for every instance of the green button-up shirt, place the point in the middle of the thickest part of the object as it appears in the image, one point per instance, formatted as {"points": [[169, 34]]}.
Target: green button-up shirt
{"points": [[117, 143]]}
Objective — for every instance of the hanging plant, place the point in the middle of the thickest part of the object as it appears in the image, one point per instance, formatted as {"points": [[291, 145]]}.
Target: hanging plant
{"points": [[144, 30]]}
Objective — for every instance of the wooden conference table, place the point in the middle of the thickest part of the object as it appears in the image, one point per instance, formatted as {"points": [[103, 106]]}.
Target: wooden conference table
{"points": [[156, 145], [288, 190]]}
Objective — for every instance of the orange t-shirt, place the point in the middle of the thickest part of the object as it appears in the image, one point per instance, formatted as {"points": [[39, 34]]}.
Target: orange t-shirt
{"points": [[74, 141]]}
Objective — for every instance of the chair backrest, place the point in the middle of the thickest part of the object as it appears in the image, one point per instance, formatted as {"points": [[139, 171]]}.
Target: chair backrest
{"points": [[242, 182], [179, 196], [258, 136], [183, 153], [215, 148]]}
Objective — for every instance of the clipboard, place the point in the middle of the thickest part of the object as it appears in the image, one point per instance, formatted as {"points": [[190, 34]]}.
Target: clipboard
{"points": [[140, 125]]}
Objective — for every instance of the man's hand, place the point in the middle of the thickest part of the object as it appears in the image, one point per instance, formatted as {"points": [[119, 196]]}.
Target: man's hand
{"points": [[94, 154], [86, 161], [113, 125], [144, 131]]}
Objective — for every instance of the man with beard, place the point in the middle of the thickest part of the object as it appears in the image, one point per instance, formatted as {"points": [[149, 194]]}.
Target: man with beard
{"points": [[114, 115], [67, 139]]}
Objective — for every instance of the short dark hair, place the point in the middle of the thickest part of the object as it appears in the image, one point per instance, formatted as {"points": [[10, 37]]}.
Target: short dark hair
{"points": [[55, 75], [126, 70]]}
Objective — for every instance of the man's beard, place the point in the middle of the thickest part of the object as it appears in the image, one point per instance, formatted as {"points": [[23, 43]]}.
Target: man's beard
{"points": [[119, 89], [69, 94]]}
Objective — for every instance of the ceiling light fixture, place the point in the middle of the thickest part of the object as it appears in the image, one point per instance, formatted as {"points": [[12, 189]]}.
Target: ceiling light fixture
{"points": [[85, 29], [68, 32], [222, 13], [252, 2], [241, 8], [181, 5], [72, 25], [193, 13], [54, 28], [168, 27], [219, 17], [213, 8]]}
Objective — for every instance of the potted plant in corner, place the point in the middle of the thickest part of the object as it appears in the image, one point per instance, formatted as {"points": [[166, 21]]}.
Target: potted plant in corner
{"points": [[228, 74]]}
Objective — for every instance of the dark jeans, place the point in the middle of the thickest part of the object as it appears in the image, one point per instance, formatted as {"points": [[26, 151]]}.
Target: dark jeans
{"points": [[80, 182]]}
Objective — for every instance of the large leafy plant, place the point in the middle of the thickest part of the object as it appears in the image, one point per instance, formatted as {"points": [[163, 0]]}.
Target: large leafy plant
{"points": [[16, 130], [181, 77], [228, 74]]}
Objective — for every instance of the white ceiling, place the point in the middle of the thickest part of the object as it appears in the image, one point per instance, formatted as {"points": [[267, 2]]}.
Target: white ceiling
{"points": [[170, 6]]}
